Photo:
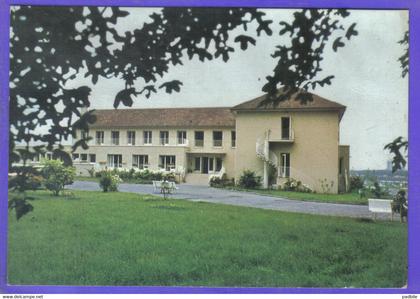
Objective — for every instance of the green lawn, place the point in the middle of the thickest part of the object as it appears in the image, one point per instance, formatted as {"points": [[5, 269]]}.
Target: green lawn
{"points": [[127, 239], [344, 198]]}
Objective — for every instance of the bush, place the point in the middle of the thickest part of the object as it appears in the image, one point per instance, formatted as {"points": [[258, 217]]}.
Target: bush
{"points": [[109, 182], [56, 175], [297, 186], [35, 182], [91, 172], [218, 182], [400, 205], [356, 183], [249, 180]]}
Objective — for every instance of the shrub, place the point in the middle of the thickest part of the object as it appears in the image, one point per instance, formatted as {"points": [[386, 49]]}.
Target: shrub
{"points": [[109, 181], [249, 180], [399, 204], [170, 177], [222, 182], [356, 183], [297, 186], [56, 175], [35, 182], [91, 172]]}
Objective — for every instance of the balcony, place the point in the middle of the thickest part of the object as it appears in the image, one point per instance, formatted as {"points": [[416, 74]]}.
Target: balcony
{"points": [[284, 137]]}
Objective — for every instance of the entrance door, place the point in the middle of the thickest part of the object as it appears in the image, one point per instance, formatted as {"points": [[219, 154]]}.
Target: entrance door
{"points": [[205, 165]]}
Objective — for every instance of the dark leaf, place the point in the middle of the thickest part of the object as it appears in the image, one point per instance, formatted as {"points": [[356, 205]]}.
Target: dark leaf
{"points": [[337, 43]]}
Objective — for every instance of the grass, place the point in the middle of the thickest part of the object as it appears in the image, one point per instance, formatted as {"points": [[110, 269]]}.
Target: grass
{"points": [[343, 198], [95, 238]]}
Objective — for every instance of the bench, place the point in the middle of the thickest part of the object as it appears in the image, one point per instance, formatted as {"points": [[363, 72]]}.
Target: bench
{"points": [[380, 206], [157, 186]]}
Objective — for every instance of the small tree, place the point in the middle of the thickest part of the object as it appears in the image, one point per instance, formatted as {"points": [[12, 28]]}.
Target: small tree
{"points": [[249, 180], [57, 175], [400, 205], [356, 182], [109, 181]]}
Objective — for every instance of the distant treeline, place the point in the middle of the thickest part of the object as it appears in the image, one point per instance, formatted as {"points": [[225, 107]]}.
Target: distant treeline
{"points": [[381, 174]]}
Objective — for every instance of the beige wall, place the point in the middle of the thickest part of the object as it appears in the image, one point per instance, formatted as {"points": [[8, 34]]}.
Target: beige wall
{"points": [[313, 154], [155, 149]]}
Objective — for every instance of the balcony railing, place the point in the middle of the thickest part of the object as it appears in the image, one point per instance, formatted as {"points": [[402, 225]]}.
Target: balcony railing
{"points": [[115, 141], [283, 138], [199, 142]]}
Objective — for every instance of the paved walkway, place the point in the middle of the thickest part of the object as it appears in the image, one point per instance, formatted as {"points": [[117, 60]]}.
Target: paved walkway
{"points": [[246, 199]]}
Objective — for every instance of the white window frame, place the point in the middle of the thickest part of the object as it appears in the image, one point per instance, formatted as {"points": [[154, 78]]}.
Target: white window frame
{"points": [[164, 140], [99, 137], [181, 137], [163, 162], [140, 161], [90, 158], [216, 140], [131, 137], [111, 161], [115, 140], [195, 139], [290, 127], [147, 137], [233, 141]]}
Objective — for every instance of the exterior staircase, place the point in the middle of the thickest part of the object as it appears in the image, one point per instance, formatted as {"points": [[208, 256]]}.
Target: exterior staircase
{"points": [[269, 157]]}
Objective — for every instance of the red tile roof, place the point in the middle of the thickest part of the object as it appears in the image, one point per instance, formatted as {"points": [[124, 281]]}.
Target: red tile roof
{"points": [[164, 117]]}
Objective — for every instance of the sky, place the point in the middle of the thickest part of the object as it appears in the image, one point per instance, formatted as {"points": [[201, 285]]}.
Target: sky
{"points": [[367, 80]]}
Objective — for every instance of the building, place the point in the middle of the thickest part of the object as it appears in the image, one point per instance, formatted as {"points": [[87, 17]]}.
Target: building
{"points": [[300, 141], [290, 139]]}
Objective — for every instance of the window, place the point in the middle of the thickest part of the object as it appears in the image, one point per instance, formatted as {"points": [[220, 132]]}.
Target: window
{"points": [[199, 138], [182, 137], [147, 137], [211, 166], [197, 163], [84, 134], [217, 138], [83, 157], [140, 161], [233, 138], [131, 137], [115, 161], [285, 165], [285, 128], [115, 137], [75, 157], [92, 158], [340, 166], [99, 137], [164, 137], [219, 164], [167, 162]]}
